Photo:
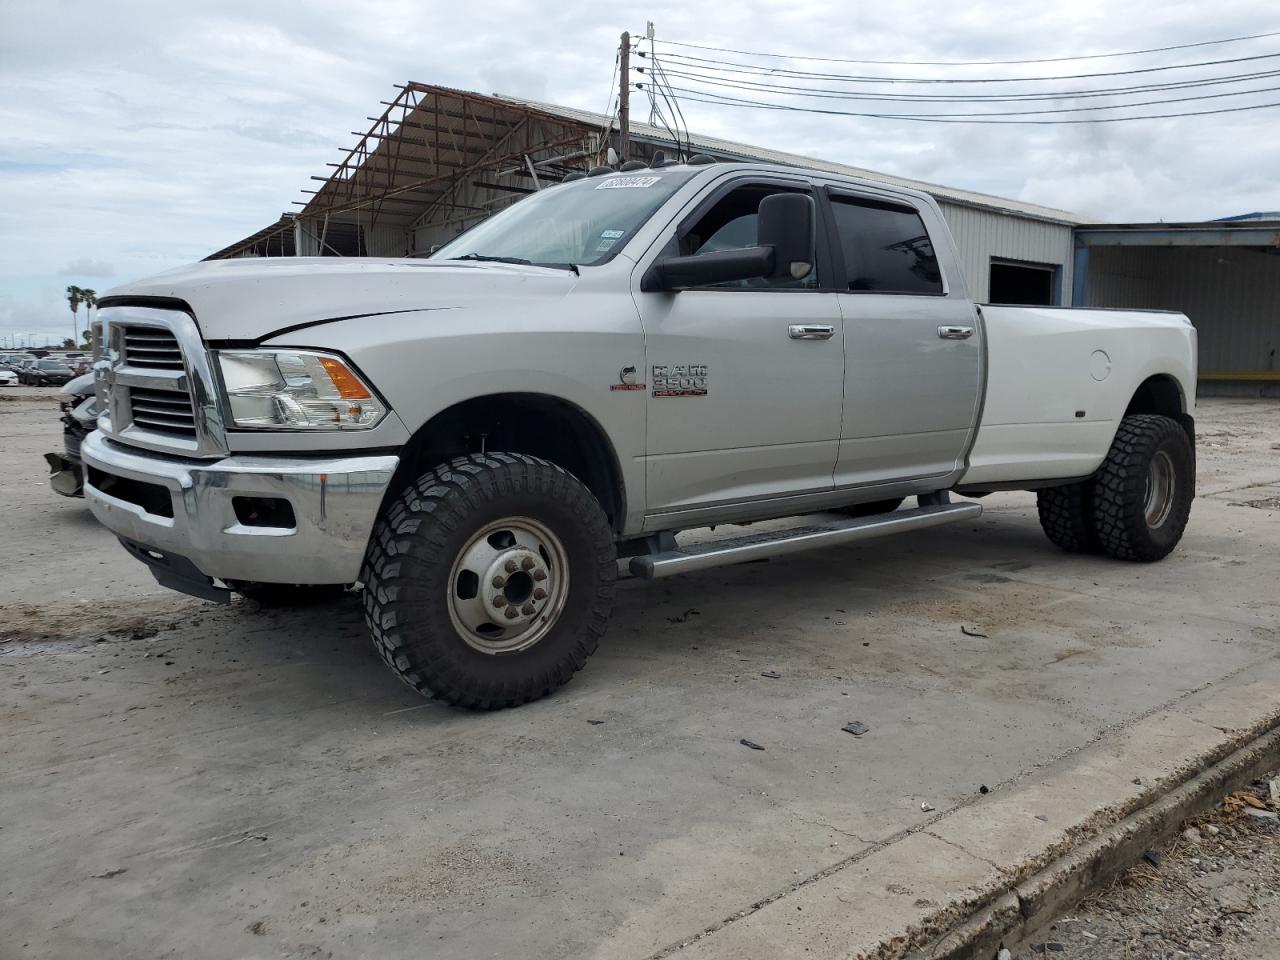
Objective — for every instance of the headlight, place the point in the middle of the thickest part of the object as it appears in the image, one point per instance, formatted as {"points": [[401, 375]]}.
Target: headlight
{"points": [[296, 390]]}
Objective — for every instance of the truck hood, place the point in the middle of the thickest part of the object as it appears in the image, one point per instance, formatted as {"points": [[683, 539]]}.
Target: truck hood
{"points": [[252, 299]]}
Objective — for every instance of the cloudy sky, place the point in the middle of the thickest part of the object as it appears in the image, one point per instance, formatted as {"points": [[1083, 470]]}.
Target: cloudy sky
{"points": [[139, 135]]}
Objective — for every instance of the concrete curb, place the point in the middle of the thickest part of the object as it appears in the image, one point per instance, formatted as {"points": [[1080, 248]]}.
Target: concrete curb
{"points": [[1037, 900], [990, 870]]}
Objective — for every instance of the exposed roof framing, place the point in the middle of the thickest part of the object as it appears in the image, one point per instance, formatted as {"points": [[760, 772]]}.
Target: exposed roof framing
{"points": [[438, 159], [275, 240], [428, 142]]}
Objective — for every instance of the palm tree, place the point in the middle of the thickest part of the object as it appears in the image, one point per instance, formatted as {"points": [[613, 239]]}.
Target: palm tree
{"points": [[74, 297], [89, 297]]}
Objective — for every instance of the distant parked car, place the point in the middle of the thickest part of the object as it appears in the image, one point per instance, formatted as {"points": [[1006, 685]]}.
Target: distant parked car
{"points": [[13, 361], [7, 377], [46, 373]]}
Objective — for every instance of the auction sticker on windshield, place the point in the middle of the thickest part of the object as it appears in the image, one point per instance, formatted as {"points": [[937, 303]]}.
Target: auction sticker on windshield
{"points": [[623, 183]]}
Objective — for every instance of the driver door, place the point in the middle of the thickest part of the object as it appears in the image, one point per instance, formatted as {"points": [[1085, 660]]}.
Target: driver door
{"points": [[746, 379]]}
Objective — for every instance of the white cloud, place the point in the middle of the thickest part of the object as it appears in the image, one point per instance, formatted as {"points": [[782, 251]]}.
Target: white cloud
{"points": [[139, 136], [88, 267]]}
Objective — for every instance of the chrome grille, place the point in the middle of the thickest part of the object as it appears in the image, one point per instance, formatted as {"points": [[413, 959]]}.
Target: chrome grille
{"points": [[156, 389], [163, 411], [152, 348]]}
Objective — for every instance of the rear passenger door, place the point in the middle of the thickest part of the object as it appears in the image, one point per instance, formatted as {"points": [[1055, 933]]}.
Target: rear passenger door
{"points": [[913, 343]]}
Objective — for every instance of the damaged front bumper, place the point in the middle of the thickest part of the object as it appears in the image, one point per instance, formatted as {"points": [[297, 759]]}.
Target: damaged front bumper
{"points": [[268, 519]]}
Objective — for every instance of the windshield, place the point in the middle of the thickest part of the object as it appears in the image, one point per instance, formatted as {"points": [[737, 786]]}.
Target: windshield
{"points": [[580, 223], [52, 365]]}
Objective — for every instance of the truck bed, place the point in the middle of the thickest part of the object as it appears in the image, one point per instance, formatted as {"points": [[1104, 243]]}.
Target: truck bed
{"points": [[1058, 382]]}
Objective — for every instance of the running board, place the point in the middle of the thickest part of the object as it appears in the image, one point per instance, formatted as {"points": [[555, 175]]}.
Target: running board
{"points": [[775, 543]]}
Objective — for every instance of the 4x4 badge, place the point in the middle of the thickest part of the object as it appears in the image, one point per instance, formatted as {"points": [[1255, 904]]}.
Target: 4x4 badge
{"points": [[627, 380]]}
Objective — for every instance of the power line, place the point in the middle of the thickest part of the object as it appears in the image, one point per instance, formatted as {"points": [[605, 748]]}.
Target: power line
{"points": [[731, 67], [713, 79], [1026, 113], [939, 118], [971, 63]]}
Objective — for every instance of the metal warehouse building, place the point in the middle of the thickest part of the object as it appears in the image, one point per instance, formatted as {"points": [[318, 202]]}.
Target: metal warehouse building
{"points": [[437, 160]]}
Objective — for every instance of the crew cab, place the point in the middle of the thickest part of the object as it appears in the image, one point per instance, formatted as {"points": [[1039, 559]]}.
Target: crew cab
{"points": [[477, 439]]}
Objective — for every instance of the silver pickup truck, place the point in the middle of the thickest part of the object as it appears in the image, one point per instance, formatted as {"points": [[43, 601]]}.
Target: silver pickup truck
{"points": [[479, 438]]}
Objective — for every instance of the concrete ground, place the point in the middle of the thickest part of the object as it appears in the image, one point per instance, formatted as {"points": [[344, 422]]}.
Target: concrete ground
{"points": [[187, 780]]}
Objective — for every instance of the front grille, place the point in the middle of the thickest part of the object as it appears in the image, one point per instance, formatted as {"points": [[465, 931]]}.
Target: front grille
{"points": [[151, 348], [155, 387], [163, 411]]}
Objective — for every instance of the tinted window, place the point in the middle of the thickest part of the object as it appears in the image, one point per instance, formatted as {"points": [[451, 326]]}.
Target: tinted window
{"points": [[731, 225], [886, 248]]}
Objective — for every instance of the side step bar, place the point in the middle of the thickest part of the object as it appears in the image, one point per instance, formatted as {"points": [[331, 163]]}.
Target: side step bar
{"points": [[775, 543]]}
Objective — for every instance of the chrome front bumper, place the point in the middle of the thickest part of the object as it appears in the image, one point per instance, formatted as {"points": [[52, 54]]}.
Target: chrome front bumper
{"points": [[335, 501]]}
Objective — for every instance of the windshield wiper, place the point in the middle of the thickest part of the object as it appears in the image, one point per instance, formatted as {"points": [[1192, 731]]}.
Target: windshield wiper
{"points": [[519, 261], [488, 259]]}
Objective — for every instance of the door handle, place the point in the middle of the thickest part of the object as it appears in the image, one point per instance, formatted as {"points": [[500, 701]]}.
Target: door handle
{"points": [[811, 331], [955, 333]]}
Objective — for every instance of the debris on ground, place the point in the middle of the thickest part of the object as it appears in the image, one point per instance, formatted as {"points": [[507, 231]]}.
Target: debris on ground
{"points": [[110, 873], [685, 616], [856, 727], [1215, 896], [750, 743], [926, 807], [972, 633], [771, 674]]}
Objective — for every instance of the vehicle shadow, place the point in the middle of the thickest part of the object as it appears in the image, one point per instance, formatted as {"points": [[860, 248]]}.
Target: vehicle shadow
{"points": [[814, 601]]}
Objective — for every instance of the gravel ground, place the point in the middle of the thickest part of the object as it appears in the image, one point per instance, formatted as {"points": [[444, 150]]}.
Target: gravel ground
{"points": [[1213, 893]]}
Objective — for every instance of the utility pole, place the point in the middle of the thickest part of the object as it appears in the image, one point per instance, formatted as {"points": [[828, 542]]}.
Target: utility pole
{"points": [[624, 98]]}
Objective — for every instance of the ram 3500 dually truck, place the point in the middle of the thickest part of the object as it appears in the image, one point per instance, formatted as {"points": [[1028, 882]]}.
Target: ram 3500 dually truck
{"points": [[478, 437]]}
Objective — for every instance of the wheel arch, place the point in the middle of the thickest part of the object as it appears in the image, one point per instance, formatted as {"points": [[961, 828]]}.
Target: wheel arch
{"points": [[1163, 394], [538, 424]]}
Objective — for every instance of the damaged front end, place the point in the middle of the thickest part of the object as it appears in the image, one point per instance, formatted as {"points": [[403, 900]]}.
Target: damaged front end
{"points": [[79, 418]]}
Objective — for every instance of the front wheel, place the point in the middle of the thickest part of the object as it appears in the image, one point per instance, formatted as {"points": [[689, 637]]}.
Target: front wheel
{"points": [[1142, 492], [489, 581]]}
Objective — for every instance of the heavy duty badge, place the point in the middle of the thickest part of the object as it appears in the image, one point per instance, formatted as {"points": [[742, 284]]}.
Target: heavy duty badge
{"points": [[680, 380]]}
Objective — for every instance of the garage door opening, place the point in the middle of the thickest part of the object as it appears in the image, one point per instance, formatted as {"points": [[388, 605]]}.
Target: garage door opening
{"points": [[1023, 283]]}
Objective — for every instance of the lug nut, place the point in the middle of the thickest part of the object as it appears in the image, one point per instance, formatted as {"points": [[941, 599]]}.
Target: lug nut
{"points": [[539, 594], [528, 610], [511, 565], [512, 613], [539, 574], [526, 563], [499, 582], [499, 601]]}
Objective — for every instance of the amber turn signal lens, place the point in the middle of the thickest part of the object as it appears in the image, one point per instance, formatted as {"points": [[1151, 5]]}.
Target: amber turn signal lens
{"points": [[349, 386]]}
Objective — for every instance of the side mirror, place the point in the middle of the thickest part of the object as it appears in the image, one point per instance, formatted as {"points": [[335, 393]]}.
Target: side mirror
{"points": [[705, 269], [784, 250], [785, 224]]}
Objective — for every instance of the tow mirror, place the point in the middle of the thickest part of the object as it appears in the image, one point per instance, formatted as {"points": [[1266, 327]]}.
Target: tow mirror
{"points": [[784, 250], [785, 224]]}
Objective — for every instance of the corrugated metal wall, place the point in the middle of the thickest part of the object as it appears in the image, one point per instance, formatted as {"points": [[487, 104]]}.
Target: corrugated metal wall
{"points": [[1231, 294], [983, 234]]}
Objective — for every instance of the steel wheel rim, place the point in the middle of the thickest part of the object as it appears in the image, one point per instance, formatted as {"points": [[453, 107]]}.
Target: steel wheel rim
{"points": [[508, 585], [1159, 492]]}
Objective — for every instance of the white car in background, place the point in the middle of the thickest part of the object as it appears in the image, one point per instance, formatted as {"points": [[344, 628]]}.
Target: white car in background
{"points": [[8, 378]]}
